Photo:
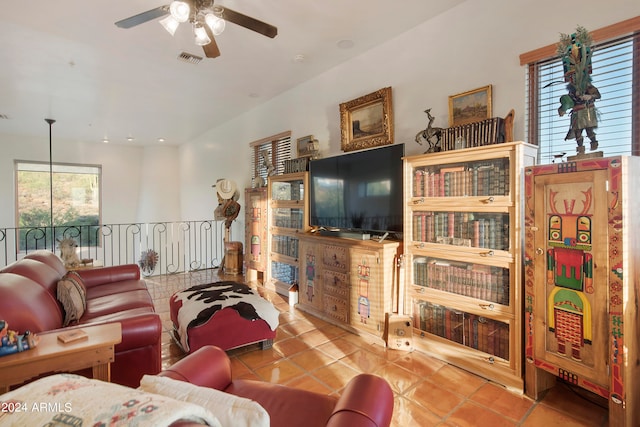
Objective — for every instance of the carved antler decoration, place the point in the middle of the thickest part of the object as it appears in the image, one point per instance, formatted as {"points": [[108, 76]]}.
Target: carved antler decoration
{"points": [[569, 204]]}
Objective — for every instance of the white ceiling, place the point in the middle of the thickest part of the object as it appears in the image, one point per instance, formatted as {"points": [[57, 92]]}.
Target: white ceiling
{"points": [[66, 60]]}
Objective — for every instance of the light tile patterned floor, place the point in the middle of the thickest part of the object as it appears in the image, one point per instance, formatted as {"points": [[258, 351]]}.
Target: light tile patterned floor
{"points": [[311, 354]]}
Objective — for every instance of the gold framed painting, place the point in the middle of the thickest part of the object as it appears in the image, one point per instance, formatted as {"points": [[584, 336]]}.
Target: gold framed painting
{"points": [[471, 106], [367, 121], [307, 146]]}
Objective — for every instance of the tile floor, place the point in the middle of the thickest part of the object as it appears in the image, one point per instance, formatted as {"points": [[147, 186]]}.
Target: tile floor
{"points": [[312, 354]]}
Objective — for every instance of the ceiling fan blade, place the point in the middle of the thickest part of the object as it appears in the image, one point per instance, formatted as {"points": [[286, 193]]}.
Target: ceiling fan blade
{"points": [[249, 23], [211, 50], [143, 17]]}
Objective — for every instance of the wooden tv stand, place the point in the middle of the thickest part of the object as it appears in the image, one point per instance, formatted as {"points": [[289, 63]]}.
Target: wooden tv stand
{"points": [[348, 282]]}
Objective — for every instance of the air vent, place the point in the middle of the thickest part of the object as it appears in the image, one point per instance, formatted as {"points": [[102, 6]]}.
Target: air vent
{"points": [[190, 58]]}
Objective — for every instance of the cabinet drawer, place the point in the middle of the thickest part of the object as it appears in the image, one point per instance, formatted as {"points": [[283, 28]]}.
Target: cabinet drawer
{"points": [[335, 257], [335, 307], [336, 283]]}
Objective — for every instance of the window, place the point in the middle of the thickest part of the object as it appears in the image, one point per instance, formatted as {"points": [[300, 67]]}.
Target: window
{"points": [[268, 155], [75, 195], [616, 74]]}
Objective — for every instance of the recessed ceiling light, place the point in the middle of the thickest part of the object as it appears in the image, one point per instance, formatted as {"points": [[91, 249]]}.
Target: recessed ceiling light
{"points": [[345, 44], [160, 139], [130, 138], [299, 58], [105, 141], [254, 95]]}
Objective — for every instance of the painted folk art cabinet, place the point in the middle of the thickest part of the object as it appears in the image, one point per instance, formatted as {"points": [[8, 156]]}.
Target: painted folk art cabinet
{"points": [[256, 217], [348, 282], [582, 248]]}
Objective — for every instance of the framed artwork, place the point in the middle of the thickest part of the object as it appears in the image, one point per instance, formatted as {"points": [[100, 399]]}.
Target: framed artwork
{"points": [[367, 121], [469, 107], [307, 146]]}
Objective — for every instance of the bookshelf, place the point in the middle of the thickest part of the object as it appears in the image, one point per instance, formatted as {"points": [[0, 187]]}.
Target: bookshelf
{"points": [[288, 219], [581, 255], [463, 257]]}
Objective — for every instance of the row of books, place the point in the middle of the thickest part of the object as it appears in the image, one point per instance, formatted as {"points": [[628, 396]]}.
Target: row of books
{"points": [[473, 280], [472, 229], [290, 218], [301, 164], [477, 332], [285, 245], [486, 132], [284, 272], [479, 179]]}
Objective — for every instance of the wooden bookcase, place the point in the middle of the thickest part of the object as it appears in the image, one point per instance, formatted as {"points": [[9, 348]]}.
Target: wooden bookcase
{"points": [[288, 220], [348, 282], [463, 257], [582, 253]]}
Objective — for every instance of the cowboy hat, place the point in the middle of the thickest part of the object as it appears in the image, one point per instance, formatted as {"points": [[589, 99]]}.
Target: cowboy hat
{"points": [[226, 188]]}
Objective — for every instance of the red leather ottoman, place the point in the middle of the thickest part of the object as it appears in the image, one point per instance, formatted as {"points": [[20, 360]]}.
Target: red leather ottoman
{"points": [[226, 314]]}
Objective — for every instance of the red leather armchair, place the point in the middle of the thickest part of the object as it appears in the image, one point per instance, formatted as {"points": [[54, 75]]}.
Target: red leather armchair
{"points": [[366, 401]]}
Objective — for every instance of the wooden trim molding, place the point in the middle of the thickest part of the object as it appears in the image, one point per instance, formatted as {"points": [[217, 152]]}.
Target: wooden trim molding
{"points": [[270, 138], [609, 32]]}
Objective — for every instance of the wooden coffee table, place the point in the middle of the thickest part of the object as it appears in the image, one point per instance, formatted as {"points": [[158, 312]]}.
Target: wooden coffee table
{"points": [[51, 355]]}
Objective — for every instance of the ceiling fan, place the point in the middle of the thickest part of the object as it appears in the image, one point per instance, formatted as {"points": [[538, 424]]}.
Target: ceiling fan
{"points": [[208, 20]]}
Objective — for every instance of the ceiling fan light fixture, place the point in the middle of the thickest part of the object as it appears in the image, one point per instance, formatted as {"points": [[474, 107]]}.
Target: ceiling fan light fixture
{"points": [[207, 21], [201, 36], [216, 24], [170, 24], [180, 10]]}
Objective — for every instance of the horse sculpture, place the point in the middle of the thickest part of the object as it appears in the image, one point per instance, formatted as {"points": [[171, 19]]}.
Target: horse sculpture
{"points": [[429, 134]]}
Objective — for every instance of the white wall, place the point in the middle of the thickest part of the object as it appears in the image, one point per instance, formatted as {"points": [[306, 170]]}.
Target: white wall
{"points": [[159, 186], [473, 45]]}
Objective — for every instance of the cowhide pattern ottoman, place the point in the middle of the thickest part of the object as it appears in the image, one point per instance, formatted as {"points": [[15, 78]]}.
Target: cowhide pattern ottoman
{"points": [[226, 314]]}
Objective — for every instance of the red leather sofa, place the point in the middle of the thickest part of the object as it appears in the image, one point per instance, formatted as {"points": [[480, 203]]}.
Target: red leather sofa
{"points": [[366, 401], [28, 301]]}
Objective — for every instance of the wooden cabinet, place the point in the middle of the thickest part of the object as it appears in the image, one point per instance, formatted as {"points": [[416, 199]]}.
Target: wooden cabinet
{"points": [[288, 219], [581, 256], [256, 215], [463, 263], [373, 280], [348, 281]]}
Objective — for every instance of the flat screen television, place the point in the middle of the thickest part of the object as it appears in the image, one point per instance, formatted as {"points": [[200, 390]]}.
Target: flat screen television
{"points": [[359, 191]]}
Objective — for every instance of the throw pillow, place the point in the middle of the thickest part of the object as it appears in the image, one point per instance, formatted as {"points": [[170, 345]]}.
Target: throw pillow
{"points": [[230, 410], [78, 282], [72, 294]]}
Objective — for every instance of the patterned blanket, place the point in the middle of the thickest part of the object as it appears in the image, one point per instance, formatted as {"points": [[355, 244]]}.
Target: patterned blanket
{"points": [[201, 302], [72, 400]]}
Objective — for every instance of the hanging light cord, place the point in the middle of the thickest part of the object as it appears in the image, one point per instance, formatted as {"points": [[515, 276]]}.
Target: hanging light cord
{"points": [[51, 122]]}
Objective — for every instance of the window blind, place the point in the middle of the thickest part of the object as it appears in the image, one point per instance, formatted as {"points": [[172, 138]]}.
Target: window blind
{"points": [[270, 151]]}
